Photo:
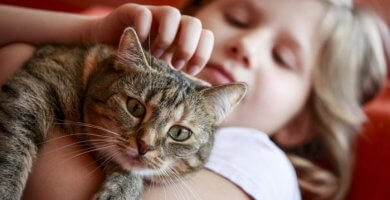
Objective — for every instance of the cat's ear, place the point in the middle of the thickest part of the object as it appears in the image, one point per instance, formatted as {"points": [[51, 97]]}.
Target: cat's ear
{"points": [[130, 55], [222, 99]]}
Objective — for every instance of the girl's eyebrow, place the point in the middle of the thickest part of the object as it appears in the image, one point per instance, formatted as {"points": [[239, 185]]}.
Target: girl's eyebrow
{"points": [[256, 11], [260, 12]]}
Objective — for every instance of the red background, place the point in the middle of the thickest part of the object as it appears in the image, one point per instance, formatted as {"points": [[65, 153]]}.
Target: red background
{"points": [[372, 171]]}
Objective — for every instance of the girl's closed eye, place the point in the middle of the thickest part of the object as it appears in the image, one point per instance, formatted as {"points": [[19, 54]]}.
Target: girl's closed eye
{"points": [[237, 19], [284, 57], [237, 14]]}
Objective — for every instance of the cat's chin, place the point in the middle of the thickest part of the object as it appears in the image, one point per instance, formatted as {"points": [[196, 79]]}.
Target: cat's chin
{"points": [[136, 166], [130, 163]]}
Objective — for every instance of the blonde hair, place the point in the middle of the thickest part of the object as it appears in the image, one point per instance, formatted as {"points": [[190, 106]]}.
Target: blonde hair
{"points": [[351, 71]]}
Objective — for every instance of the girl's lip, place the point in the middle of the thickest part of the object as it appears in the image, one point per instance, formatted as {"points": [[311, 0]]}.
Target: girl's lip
{"points": [[221, 70]]}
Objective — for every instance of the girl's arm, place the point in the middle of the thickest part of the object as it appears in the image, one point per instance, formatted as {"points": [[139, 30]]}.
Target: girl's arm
{"points": [[203, 184], [37, 26], [179, 39]]}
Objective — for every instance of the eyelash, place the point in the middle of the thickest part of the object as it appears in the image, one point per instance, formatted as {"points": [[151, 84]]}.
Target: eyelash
{"points": [[278, 59], [235, 22]]}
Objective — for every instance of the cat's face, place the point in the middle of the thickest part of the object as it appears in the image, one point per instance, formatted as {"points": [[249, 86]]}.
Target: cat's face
{"points": [[157, 125], [153, 122]]}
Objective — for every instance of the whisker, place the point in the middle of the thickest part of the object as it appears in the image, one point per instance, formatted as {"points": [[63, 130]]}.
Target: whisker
{"points": [[55, 138], [58, 164], [106, 136], [190, 179], [155, 164], [108, 159], [79, 139], [179, 184], [165, 193], [85, 152], [171, 184], [185, 185], [74, 134], [75, 144], [95, 161], [104, 168], [67, 122], [162, 177], [160, 160], [193, 193], [178, 188], [81, 134], [81, 150]]}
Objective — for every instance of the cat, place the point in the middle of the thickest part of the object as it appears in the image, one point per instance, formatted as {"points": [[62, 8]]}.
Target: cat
{"points": [[144, 118]]}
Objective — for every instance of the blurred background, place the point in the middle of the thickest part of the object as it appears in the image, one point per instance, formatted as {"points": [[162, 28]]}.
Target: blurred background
{"points": [[372, 171]]}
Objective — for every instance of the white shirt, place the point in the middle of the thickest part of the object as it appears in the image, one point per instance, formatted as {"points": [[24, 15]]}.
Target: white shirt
{"points": [[249, 159]]}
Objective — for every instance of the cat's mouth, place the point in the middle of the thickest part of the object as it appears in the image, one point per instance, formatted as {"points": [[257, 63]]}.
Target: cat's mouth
{"points": [[136, 161], [138, 164], [131, 162]]}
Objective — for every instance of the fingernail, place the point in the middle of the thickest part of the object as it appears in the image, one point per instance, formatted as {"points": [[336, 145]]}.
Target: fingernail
{"points": [[193, 69], [179, 64], [158, 52]]}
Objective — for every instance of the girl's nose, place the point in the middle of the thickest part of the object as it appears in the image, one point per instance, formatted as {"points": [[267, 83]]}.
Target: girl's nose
{"points": [[240, 50], [250, 47], [240, 53]]}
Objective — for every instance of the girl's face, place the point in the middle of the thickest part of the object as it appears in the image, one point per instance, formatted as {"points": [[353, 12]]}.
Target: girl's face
{"points": [[270, 44]]}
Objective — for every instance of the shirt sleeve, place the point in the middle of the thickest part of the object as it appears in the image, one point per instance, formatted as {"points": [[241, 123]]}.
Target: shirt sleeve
{"points": [[250, 160]]}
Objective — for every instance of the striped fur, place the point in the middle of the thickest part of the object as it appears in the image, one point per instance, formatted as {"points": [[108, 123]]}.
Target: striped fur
{"points": [[91, 85]]}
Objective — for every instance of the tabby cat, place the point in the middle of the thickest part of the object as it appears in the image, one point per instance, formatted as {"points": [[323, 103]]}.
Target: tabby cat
{"points": [[146, 119]]}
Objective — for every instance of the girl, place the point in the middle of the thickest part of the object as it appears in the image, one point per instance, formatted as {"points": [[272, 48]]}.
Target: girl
{"points": [[310, 65]]}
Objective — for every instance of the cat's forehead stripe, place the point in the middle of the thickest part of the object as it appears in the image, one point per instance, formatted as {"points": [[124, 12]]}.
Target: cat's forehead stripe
{"points": [[155, 99], [150, 93], [172, 92], [178, 113], [162, 98]]}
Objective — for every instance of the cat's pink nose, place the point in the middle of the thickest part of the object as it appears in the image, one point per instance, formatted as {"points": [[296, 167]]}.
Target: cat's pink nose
{"points": [[143, 148]]}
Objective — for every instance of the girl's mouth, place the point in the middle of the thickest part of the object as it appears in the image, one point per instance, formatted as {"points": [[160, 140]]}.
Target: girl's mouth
{"points": [[217, 75]]}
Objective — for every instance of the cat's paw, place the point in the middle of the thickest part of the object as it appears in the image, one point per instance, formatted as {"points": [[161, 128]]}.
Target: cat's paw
{"points": [[101, 196], [120, 186], [111, 195], [105, 195]]}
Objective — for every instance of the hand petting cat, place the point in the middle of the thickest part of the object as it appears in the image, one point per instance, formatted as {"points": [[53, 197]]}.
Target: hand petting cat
{"points": [[177, 39]]}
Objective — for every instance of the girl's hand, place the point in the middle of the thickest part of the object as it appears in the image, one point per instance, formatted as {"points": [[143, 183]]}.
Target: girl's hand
{"points": [[178, 39]]}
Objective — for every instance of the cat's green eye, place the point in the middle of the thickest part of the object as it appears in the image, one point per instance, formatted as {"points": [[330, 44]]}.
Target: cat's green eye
{"points": [[136, 108], [179, 133]]}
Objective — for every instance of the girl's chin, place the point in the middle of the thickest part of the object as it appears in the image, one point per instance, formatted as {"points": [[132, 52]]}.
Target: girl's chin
{"points": [[213, 76]]}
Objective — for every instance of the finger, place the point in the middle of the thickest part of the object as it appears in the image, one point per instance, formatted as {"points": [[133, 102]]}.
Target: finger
{"points": [[142, 22], [189, 34], [199, 81], [133, 15], [167, 55], [202, 53], [168, 19]]}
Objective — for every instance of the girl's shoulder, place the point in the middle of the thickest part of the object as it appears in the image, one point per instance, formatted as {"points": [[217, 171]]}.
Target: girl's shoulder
{"points": [[248, 158]]}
